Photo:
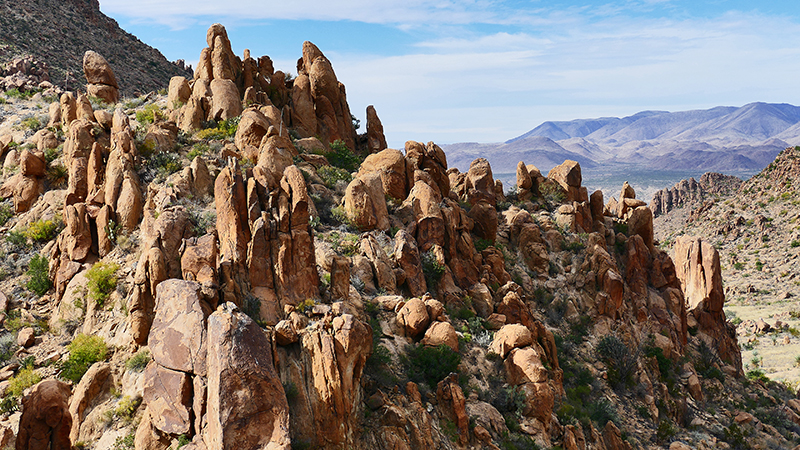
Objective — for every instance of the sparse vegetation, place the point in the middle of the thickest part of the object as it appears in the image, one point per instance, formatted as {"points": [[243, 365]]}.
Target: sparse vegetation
{"points": [[138, 361], [84, 351], [620, 360], [429, 364], [102, 281], [39, 281]]}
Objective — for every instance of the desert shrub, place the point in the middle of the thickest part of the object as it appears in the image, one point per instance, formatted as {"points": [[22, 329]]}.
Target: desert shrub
{"points": [[102, 281], [482, 244], [25, 378], [41, 230], [126, 442], [84, 351], [430, 364], [8, 345], [57, 175], [432, 269], [331, 175], [32, 123], [138, 361], [17, 239], [126, 408], [510, 399], [620, 360], [6, 212], [552, 193], [148, 115], [340, 156], [38, 269], [159, 166], [202, 221], [708, 362], [218, 130]]}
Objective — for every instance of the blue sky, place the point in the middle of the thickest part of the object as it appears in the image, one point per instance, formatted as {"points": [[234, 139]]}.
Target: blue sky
{"points": [[489, 70]]}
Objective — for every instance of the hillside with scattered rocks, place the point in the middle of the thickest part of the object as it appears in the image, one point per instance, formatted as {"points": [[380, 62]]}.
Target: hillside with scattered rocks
{"points": [[755, 229], [232, 265], [55, 34]]}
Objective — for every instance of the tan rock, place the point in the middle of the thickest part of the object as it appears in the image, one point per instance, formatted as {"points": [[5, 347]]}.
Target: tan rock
{"points": [[168, 395], [484, 216], [391, 165], [441, 333], [452, 402], [45, 417], [177, 338], [407, 257], [480, 182], [97, 70], [510, 337], [179, 92], [252, 128], [376, 141], [285, 334], [69, 108], [93, 382], [365, 203], [225, 103], [641, 222], [107, 93], [304, 118], [26, 337], [413, 317], [246, 404], [340, 278]]}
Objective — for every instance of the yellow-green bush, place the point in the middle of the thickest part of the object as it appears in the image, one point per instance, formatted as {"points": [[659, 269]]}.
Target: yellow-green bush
{"points": [[102, 281], [84, 351]]}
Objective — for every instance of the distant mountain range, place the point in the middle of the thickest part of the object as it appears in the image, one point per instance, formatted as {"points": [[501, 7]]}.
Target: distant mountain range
{"points": [[722, 139]]}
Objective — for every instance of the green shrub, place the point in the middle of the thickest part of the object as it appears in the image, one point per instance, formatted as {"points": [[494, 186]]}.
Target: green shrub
{"points": [[8, 345], [41, 230], [707, 362], [138, 361], [199, 149], [430, 364], [340, 156], [126, 408], [148, 115], [331, 175], [102, 281], [126, 442], [5, 213], [32, 123], [17, 239], [432, 269], [158, 166], [38, 270], [25, 378], [84, 351], [620, 360]]}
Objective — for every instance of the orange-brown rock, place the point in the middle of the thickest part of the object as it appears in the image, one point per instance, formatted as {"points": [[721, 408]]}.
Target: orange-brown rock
{"points": [[340, 278], [225, 100], [510, 337], [407, 256], [252, 128], [413, 317], [95, 380], [484, 216], [441, 333], [179, 92], [480, 182], [161, 136], [425, 202], [568, 176], [168, 395], [365, 203], [452, 403], [46, 421], [640, 222], [177, 338], [100, 78], [376, 141], [391, 165], [304, 118], [69, 108], [246, 406]]}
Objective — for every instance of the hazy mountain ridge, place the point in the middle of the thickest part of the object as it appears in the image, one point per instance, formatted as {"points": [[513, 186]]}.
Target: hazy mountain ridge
{"points": [[723, 138]]}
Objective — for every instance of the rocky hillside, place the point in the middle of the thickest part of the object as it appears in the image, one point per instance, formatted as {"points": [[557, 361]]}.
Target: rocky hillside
{"points": [[233, 266], [690, 193], [59, 32], [755, 229]]}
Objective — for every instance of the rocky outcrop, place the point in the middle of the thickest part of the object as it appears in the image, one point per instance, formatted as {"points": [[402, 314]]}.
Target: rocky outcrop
{"points": [[100, 79], [697, 266], [376, 141], [46, 420], [687, 193]]}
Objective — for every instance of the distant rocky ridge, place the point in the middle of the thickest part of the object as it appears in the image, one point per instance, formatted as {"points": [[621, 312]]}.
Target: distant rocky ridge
{"points": [[721, 139], [689, 192], [58, 32]]}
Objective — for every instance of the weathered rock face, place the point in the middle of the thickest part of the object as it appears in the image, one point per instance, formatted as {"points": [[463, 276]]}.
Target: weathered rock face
{"points": [[697, 267], [178, 335], [326, 368], [246, 406], [376, 141], [690, 192], [391, 165], [46, 421], [100, 78], [365, 203], [568, 176]]}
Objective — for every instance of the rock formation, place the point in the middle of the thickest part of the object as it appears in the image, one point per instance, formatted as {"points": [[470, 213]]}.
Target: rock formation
{"points": [[100, 79]]}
